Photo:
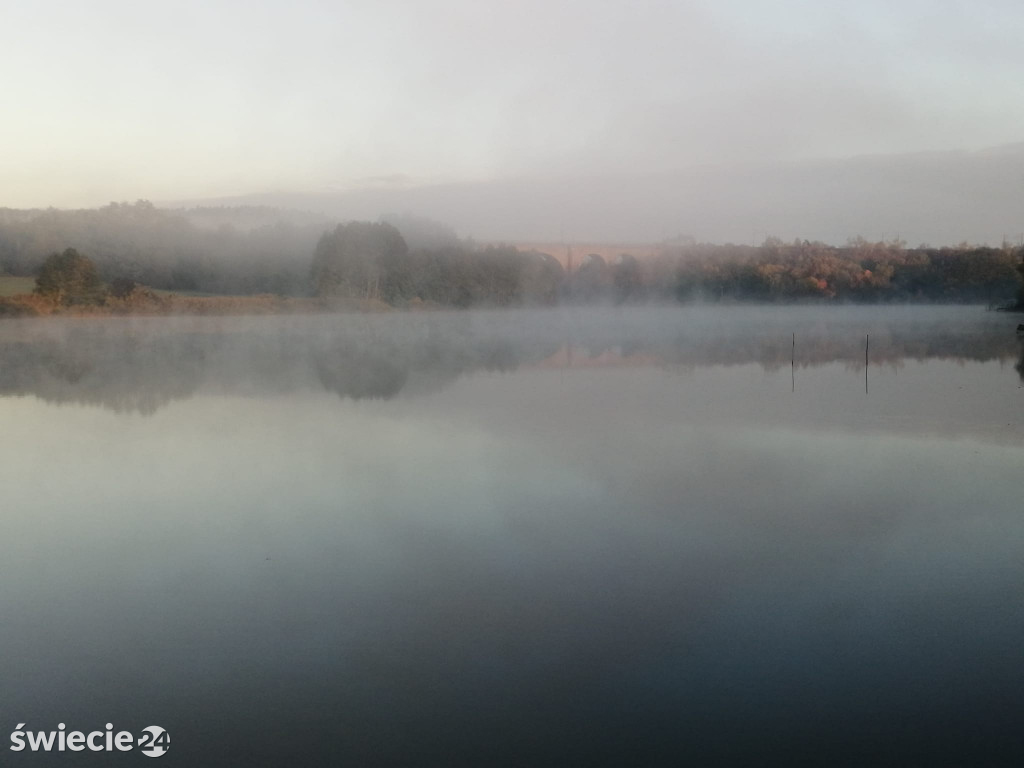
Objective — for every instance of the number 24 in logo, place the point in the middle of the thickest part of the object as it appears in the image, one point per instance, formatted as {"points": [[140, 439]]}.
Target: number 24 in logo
{"points": [[154, 741]]}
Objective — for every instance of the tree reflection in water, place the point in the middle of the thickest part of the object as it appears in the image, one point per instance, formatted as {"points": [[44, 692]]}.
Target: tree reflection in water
{"points": [[138, 366]]}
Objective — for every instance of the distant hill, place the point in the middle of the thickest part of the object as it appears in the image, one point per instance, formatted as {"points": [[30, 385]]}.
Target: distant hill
{"points": [[249, 217], [940, 198]]}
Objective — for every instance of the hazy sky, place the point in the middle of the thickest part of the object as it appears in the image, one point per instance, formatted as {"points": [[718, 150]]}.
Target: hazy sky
{"points": [[119, 99]]}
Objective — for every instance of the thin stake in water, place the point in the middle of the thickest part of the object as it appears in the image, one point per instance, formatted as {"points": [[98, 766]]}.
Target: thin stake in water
{"points": [[867, 342], [792, 366]]}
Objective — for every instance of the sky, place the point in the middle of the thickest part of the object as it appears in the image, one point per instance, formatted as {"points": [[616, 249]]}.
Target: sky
{"points": [[120, 100]]}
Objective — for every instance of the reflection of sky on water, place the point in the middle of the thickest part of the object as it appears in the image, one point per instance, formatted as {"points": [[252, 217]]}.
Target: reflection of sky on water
{"points": [[624, 564]]}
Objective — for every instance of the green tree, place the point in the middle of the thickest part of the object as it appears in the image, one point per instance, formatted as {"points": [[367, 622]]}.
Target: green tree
{"points": [[362, 259], [627, 277], [1020, 298], [70, 278]]}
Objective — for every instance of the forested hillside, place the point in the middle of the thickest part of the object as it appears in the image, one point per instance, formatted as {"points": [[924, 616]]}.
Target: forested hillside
{"points": [[403, 259]]}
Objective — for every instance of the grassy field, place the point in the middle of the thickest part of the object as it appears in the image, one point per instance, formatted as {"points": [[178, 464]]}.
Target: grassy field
{"points": [[188, 294], [12, 286]]}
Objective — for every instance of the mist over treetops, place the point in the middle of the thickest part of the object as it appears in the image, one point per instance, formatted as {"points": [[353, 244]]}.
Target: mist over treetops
{"points": [[406, 259]]}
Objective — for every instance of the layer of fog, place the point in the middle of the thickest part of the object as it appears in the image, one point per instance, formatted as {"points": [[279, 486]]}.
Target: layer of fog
{"points": [[937, 198], [143, 364]]}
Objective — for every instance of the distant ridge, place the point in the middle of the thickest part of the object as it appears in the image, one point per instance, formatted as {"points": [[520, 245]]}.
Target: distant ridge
{"points": [[1017, 148], [940, 198]]}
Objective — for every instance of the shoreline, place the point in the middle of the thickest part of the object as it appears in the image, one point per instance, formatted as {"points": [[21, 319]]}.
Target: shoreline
{"points": [[33, 307]]}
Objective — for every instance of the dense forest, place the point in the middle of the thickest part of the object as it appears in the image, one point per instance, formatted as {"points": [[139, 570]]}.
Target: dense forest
{"points": [[403, 260], [170, 249]]}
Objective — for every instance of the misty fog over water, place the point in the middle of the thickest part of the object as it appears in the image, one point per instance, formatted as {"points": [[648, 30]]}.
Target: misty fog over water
{"points": [[141, 364], [635, 536]]}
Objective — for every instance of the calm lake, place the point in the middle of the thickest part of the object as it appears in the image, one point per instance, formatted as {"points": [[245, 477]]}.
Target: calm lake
{"points": [[672, 536]]}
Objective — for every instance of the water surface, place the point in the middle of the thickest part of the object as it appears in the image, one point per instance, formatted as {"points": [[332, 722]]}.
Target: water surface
{"points": [[629, 536]]}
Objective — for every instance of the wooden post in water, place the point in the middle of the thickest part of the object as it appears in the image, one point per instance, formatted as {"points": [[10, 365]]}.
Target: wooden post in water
{"points": [[792, 366], [867, 343]]}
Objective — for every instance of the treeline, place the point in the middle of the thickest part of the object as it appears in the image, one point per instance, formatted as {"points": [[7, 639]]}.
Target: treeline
{"points": [[860, 271], [372, 261], [263, 251], [407, 260]]}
